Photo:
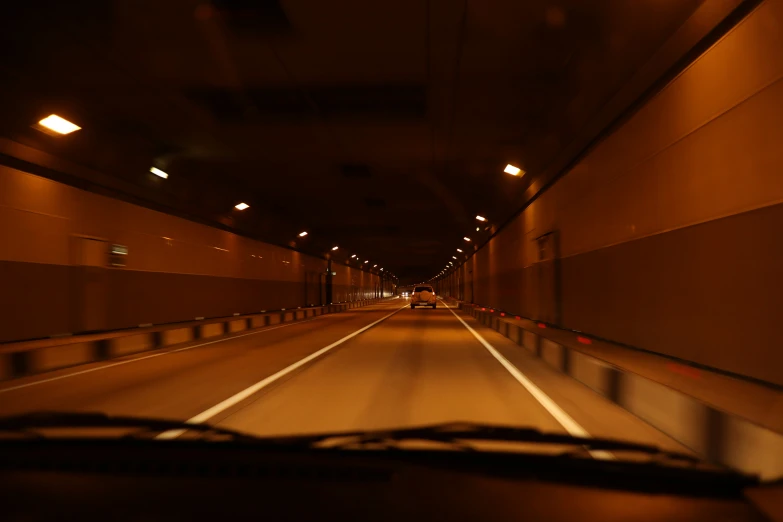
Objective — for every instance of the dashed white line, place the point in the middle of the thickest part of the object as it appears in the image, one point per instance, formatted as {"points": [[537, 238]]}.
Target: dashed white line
{"points": [[250, 390], [565, 420]]}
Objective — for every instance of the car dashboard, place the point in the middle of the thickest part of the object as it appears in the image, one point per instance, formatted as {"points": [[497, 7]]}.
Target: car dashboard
{"points": [[180, 480]]}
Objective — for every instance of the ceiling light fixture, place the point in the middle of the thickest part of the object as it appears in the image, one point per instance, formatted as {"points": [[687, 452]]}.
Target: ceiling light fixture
{"points": [[374, 266], [335, 248], [466, 238], [302, 234], [241, 206], [353, 256], [459, 250], [159, 173], [511, 169], [367, 261], [481, 218], [58, 125]]}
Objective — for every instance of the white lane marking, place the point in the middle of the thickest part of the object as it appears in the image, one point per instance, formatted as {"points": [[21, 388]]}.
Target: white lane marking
{"points": [[112, 365], [250, 390], [565, 420]]}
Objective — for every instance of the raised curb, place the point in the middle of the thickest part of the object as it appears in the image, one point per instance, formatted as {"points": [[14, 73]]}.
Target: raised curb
{"points": [[717, 436], [33, 357]]}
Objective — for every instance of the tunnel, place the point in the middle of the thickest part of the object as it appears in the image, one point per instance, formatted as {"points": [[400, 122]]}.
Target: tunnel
{"points": [[197, 199]]}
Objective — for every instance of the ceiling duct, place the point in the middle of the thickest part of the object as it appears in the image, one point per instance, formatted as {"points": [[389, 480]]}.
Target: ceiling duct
{"points": [[262, 17], [356, 171]]}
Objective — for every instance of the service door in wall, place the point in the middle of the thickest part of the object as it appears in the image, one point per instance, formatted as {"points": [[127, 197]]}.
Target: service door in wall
{"points": [[89, 284], [547, 303]]}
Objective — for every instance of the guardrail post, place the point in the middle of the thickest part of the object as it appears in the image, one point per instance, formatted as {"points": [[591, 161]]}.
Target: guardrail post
{"points": [[613, 376], [20, 363], [102, 350], [716, 434], [566, 358]]}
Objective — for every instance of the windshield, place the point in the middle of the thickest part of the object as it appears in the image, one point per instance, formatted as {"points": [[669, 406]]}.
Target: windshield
{"points": [[217, 214]]}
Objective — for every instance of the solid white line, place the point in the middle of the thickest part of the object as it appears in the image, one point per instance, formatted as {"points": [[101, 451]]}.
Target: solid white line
{"points": [[50, 379], [247, 392], [565, 420], [111, 365]]}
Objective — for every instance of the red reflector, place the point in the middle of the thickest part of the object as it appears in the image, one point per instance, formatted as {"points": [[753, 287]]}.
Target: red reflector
{"points": [[541, 325], [492, 310], [502, 314], [517, 317], [584, 340], [688, 371], [483, 309]]}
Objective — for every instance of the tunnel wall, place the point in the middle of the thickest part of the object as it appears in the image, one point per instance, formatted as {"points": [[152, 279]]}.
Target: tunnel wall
{"points": [[351, 284], [176, 269], [667, 235]]}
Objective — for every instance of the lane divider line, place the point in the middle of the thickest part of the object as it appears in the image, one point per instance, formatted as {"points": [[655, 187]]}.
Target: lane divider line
{"points": [[560, 415], [137, 359], [263, 383]]}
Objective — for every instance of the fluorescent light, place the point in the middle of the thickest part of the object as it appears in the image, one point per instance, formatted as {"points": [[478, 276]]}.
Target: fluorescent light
{"points": [[159, 173], [353, 256], [335, 248], [466, 238], [367, 261], [511, 169], [451, 263], [58, 125], [455, 257], [481, 218], [374, 266], [241, 206], [459, 250], [302, 234]]}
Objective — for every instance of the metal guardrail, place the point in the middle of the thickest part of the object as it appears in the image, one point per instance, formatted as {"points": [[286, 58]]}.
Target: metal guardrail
{"points": [[33, 357], [716, 435]]}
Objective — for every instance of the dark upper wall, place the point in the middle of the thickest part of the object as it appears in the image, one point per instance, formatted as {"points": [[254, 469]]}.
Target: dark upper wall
{"points": [[668, 232], [176, 270]]}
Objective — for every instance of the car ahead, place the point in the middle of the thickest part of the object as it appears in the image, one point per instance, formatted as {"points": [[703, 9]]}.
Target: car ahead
{"points": [[423, 296]]}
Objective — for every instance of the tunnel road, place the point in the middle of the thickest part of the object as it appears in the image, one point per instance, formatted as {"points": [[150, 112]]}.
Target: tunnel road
{"points": [[377, 367]]}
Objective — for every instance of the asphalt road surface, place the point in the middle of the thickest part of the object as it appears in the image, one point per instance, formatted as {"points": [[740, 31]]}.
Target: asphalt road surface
{"points": [[380, 366]]}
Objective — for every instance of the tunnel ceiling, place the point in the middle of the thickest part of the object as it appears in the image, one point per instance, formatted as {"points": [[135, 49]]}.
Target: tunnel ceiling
{"points": [[382, 127]]}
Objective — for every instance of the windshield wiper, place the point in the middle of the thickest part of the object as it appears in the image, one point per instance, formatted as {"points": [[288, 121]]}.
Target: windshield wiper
{"points": [[30, 423], [455, 433]]}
